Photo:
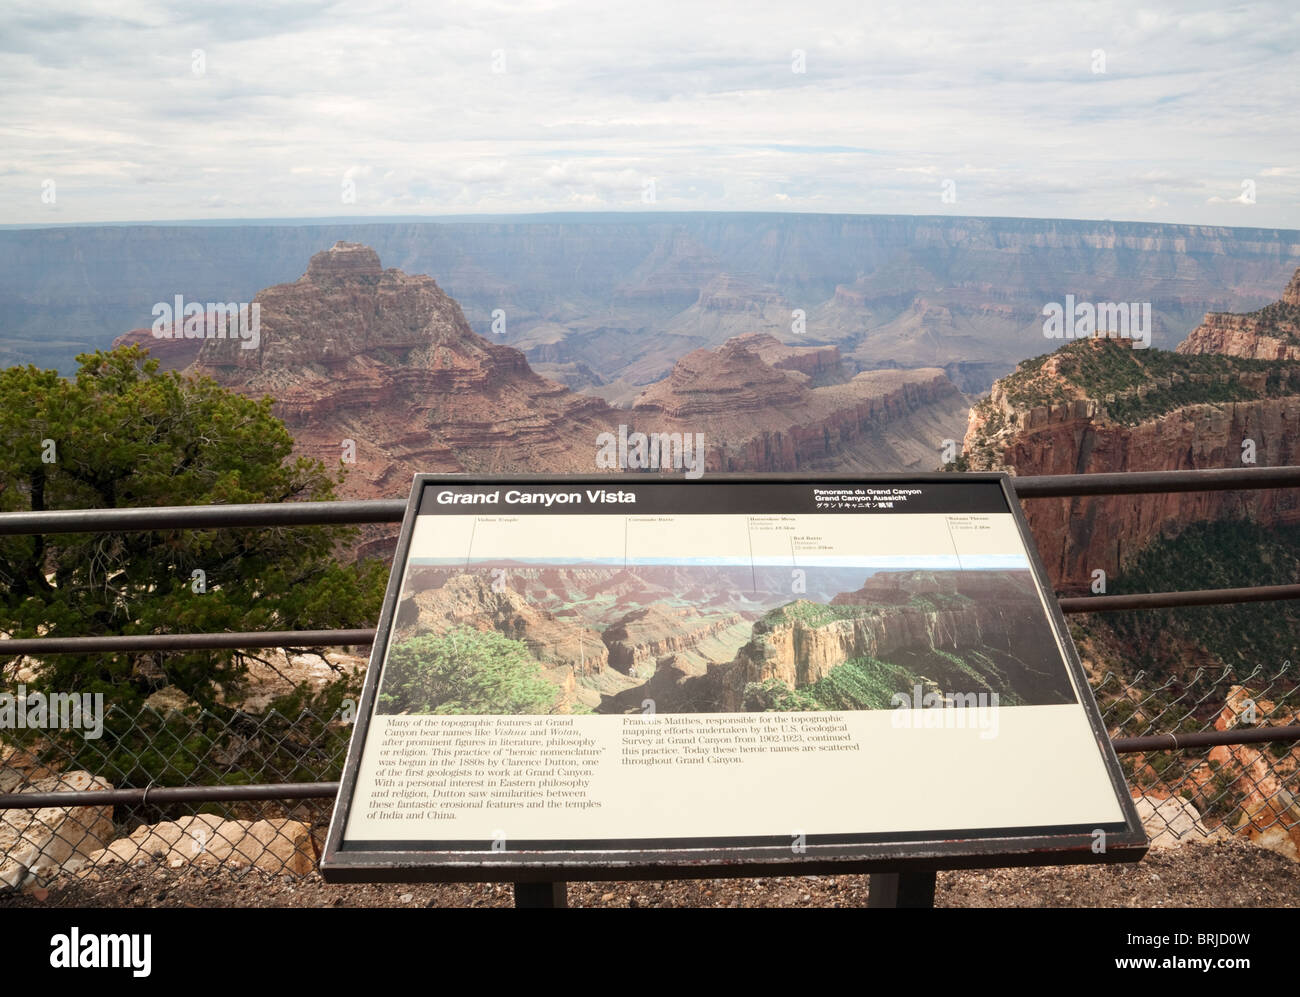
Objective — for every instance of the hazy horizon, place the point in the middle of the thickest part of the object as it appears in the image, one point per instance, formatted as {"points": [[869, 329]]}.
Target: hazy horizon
{"points": [[595, 214]]}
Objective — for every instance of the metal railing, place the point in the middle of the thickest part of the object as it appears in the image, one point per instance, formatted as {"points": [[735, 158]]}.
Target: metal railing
{"points": [[151, 798]]}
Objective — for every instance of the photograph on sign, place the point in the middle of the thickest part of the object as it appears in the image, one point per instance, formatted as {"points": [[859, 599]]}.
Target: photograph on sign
{"points": [[658, 664]]}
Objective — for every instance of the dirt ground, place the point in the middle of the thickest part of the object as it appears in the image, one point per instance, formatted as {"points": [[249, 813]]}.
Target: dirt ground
{"points": [[1228, 873]]}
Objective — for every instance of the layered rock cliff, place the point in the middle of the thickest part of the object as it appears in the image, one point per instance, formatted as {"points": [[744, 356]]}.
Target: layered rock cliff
{"points": [[351, 351], [1271, 333], [379, 369], [958, 632], [469, 599], [173, 352], [1098, 406], [643, 636], [759, 411]]}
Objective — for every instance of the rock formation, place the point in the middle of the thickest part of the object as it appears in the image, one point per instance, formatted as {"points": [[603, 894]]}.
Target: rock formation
{"points": [[469, 600], [379, 369], [643, 636], [351, 351], [1271, 333], [279, 846], [1098, 405], [754, 402], [958, 631], [172, 353], [37, 845]]}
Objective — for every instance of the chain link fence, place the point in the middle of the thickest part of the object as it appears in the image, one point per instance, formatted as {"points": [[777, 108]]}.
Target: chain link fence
{"points": [[156, 748], [1201, 793], [1185, 794]]}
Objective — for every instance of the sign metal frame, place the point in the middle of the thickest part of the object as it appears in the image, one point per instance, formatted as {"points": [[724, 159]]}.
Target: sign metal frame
{"points": [[1124, 841]]}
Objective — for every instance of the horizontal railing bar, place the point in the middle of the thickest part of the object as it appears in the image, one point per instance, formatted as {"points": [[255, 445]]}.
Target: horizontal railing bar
{"points": [[203, 517], [1204, 739], [335, 638], [1143, 482], [170, 794], [327, 790], [200, 517], [1167, 600], [186, 642]]}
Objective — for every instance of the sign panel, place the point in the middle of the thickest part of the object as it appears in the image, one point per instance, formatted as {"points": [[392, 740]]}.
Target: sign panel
{"points": [[619, 676]]}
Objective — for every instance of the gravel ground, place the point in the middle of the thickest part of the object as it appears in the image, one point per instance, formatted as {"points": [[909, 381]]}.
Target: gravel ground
{"points": [[1227, 873]]}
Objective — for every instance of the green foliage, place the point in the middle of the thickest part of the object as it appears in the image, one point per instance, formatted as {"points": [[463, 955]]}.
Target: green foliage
{"points": [[121, 434], [861, 684], [774, 696], [464, 671], [1222, 554], [812, 614], [301, 737], [858, 684], [1097, 368], [1280, 320]]}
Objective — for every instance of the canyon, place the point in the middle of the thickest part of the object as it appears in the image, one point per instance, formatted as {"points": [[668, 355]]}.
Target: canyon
{"points": [[614, 300], [1229, 396], [380, 370], [765, 406], [959, 631], [956, 631]]}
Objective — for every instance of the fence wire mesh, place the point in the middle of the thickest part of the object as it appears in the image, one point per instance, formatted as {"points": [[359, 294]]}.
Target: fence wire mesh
{"points": [[1184, 794], [155, 748], [1201, 793]]}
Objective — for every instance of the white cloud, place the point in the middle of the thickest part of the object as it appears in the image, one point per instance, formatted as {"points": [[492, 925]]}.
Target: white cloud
{"points": [[403, 102]]}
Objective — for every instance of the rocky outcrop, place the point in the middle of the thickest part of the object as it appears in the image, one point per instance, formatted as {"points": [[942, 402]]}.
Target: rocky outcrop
{"points": [[922, 624], [1099, 406], [822, 364], [172, 353], [738, 293], [1170, 821], [470, 600], [37, 845], [758, 417], [280, 846], [1077, 536], [643, 636], [351, 351], [1272, 333], [1256, 776]]}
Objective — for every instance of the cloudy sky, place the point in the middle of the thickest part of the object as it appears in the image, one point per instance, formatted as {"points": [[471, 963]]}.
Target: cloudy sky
{"points": [[128, 111]]}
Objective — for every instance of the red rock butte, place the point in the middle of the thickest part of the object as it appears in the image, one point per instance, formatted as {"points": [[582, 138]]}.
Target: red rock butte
{"points": [[351, 351], [344, 260]]}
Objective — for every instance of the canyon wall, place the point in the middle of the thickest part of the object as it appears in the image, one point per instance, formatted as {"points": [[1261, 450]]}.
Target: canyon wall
{"points": [[1099, 406]]}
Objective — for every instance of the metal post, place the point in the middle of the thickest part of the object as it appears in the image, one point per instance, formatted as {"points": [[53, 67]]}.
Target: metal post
{"points": [[541, 895], [901, 889]]}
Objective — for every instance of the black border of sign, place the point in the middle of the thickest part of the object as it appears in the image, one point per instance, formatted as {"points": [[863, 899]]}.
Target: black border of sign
{"points": [[1124, 842]]}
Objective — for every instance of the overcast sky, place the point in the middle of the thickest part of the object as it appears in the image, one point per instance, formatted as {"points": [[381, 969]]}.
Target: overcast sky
{"points": [[121, 110]]}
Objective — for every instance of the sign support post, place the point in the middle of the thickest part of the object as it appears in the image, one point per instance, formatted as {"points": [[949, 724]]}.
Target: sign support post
{"points": [[552, 894], [901, 889]]}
